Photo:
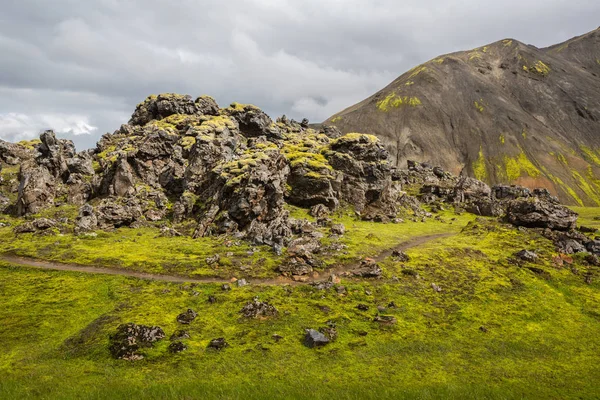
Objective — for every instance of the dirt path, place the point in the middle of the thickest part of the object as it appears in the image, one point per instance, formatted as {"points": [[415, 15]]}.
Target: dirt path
{"points": [[50, 265]]}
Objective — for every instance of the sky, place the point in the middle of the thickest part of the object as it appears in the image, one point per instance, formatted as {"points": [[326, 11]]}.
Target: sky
{"points": [[80, 67]]}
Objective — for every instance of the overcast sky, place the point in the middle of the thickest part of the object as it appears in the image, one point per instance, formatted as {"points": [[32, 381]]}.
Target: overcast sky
{"points": [[80, 67]]}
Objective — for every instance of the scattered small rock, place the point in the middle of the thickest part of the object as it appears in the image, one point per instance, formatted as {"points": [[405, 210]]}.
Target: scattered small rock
{"points": [[314, 338], [130, 338], [338, 229], [177, 347], [225, 287], [179, 335], [187, 317], [527, 255], [218, 344], [212, 299], [436, 287], [258, 309], [213, 260], [363, 307], [242, 282], [400, 256], [368, 269], [386, 320]]}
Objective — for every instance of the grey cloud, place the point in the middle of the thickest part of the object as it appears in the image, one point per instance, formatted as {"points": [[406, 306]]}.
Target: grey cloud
{"points": [[84, 65]]}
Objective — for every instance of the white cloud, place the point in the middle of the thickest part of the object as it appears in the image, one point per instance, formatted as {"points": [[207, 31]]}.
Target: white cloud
{"points": [[16, 126]]}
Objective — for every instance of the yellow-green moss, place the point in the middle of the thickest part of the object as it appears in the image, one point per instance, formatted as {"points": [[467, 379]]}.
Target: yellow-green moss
{"points": [[541, 68], [479, 167], [409, 83], [502, 138], [507, 42], [30, 144], [188, 142], [590, 154], [585, 186], [416, 71], [393, 101], [336, 119], [439, 60], [517, 166], [479, 105]]}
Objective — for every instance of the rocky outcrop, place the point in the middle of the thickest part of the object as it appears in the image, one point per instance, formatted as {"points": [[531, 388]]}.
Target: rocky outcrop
{"points": [[538, 213], [129, 339]]}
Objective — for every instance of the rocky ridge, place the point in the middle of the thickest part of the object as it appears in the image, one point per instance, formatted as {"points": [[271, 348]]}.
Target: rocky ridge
{"points": [[196, 169]]}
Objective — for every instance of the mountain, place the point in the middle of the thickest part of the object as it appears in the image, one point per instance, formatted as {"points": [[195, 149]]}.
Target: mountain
{"points": [[503, 113]]}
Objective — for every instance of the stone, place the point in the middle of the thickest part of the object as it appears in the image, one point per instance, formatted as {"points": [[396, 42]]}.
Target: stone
{"points": [[527, 255], [258, 309], [314, 338], [179, 335], [363, 307], [436, 288], [337, 229], [218, 344], [385, 320], [241, 282], [177, 347], [187, 317], [130, 338], [399, 255], [537, 213], [368, 269]]}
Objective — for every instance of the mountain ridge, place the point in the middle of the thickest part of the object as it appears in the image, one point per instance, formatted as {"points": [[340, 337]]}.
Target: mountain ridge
{"points": [[504, 113]]}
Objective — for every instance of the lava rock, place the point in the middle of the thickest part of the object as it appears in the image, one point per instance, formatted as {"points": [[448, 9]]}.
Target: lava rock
{"points": [[314, 338], [527, 255], [177, 347], [368, 269], [187, 317], [130, 338], [258, 309], [218, 344]]}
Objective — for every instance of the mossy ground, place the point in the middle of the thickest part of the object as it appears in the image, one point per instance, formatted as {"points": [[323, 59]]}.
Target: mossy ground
{"points": [[497, 330]]}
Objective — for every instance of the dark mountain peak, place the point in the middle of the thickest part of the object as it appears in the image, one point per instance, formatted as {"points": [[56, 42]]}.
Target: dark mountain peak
{"points": [[506, 112]]}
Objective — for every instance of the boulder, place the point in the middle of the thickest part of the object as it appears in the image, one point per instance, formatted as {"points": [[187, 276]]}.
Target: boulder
{"points": [[368, 269], [218, 344], [86, 220], [258, 309], [527, 255], [37, 189], [177, 347], [187, 317], [130, 338], [314, 338], [538, 213]]}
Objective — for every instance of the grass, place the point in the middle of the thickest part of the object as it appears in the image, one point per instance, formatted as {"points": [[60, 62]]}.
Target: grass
{"points": [[540, 338], [587, 216]]}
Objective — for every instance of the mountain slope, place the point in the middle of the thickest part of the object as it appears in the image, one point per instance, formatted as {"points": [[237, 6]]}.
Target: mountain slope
{"points": [[504, 113]]}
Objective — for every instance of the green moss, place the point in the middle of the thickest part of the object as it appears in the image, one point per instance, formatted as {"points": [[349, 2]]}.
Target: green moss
{"points": [[409, 83], [30, 144], [188, 142], [507, 42], [541, 68], [479, 105], [502, 138], [480, 168], [336, 119], [518, 166], [590, 155], [439, 60], [586, 187], [393, 101], [416, 71], [496, 331]]}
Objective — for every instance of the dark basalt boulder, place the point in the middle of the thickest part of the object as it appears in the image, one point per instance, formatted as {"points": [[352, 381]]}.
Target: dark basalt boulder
{"points": [[253, 121], [368, 269], [258, 309], [15, 153], [314, 338], [115, 213], [165, 105], [538, 213], [177, 347], [187, 317], [37, 189], [86, 220], [218, 344], [130, 338], [527, 255]]}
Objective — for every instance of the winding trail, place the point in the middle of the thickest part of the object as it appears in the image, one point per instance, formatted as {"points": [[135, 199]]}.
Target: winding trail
{"points": [[281, 280]]}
